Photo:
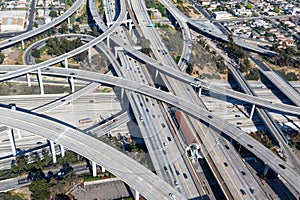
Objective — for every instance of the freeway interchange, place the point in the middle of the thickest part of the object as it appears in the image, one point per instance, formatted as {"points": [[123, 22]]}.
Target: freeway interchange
{"points": [[134, 174]]}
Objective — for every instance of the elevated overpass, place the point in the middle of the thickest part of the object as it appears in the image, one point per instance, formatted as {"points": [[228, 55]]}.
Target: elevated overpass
{"points": [[243, 138], [227, 92], [131, 172]]}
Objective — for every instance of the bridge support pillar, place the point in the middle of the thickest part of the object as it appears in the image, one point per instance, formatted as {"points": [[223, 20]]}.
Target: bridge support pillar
{"points": [[137, 195], [69, 21], [116, 51], [12, 141], [266, 169], [77, 12], [107, 41], [122, 94], [252, 111], [72, 84], [200, 91], [90, 55], [23, 44], [156, 74], [40, 81], [102, 169], [94, 169], [52, 147], [66, 63], [130, 26], [28, 80], [62, 151]]}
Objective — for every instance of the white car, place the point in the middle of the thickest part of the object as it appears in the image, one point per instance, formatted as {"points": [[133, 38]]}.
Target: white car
{"points": [[141, 118]]}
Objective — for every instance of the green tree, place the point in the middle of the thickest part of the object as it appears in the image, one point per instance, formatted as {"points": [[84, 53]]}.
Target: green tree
{"points": [[249, 6], [189, 68], [53, 14], [1, 57], [64, 27], [35, 24], [36, 53], [145, 43], [40, 190], [95, 31], [277, 10], [76, 28]]}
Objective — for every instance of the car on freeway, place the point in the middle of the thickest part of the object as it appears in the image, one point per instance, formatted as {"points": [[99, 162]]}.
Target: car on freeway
{"points": [[169, 139], [176, 184], [141, 119], [172, 195]]}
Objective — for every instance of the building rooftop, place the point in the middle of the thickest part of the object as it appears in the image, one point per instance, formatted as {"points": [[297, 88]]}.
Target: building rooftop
{"points": [[15, 13], [12, 21]]}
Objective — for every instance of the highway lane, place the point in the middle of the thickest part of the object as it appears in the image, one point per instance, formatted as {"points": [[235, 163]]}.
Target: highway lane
{"points": [[131, 172], [109, 126], [186, 33], [287, 89], [270, 124], [175, 86], [34, 32], [243, 138], [182, 90], [168, 161]]}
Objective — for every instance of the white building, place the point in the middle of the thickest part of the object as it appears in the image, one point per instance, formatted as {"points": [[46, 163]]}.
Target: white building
{"points": [[222, 15], [12, 24]]}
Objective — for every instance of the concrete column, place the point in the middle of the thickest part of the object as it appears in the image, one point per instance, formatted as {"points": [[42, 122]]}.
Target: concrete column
{"points": [[107, 41], [69, 21], [116, 53], [23, 44], [28, 80], [200, 91], [102, 169], [266, 169], [252, 111], [137, 195], [40, 81], [122, 94], [66, 63], [90, 55], [52, 146], [62, 151], [12, 141], [130, 26], [239, 149], [156, 74], [76, 12], [72, 84], [94, 168]]}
